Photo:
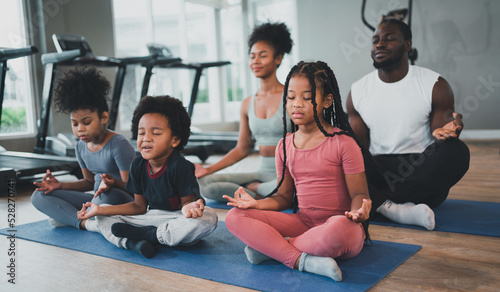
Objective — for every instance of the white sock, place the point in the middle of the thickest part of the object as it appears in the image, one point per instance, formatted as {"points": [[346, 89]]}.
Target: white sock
{"points": [[254, 256], [408, 213], [55, 223], [91, 225], [324, 266]]}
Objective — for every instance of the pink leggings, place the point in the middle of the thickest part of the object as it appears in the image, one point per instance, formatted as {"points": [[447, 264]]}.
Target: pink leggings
{"points": [[264, 231]]}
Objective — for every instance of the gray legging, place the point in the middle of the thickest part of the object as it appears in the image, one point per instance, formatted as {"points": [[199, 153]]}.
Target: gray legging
{"points": [[62, 205], [215, 185]]}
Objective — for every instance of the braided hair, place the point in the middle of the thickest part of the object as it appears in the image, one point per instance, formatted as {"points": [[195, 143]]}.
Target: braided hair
{"points": [[318, 74], [321, 75]]}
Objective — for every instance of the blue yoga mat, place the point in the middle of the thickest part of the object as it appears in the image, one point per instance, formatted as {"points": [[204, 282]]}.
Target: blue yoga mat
{"points": [[460, 216], [457, 216], [218, 205], [220, 257]]}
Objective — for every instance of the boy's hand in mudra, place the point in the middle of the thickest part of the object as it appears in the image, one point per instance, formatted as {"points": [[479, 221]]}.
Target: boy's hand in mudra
{"points": [[193, 209]]}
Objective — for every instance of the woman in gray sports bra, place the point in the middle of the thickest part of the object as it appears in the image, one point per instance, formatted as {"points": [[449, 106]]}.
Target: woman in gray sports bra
{"points": [[261, 116]]}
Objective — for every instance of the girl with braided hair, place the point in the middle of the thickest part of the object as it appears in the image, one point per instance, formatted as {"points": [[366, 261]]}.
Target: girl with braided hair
{"points": [[322, 165]]}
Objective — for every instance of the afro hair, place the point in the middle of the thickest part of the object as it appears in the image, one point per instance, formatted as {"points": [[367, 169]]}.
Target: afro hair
{"points": [[82, 88], [172, 109], [276, 34]]}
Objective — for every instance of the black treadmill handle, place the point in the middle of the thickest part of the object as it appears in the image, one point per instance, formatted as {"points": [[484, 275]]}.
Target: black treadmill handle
{"points": [[7, 54], [214, 64], [135, 60], [60, 57], [162, 61], [202, 65]]}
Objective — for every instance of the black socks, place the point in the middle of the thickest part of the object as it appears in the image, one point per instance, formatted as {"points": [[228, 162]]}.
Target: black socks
{"points": [[135, 232], [141, 239], [143, 247]]}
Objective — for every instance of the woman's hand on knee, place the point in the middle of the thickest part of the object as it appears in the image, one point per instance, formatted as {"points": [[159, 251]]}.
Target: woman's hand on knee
{"points": [[253, 186], [200, 171]]}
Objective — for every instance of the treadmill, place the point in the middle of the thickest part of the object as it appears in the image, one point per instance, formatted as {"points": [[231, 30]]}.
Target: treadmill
{"points": [[75, 50], [222, 141], [15, 165], [164, 59]]}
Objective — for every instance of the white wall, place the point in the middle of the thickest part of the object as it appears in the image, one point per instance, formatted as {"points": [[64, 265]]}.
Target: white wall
{"points": [[92, 19], [457, 38]]}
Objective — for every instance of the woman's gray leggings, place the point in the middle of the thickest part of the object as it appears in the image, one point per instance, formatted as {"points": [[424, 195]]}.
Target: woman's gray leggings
{"points": [[215, 185]]}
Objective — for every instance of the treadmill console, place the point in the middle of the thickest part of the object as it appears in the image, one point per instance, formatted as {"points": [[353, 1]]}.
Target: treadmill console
{"points": [[67, 42], [159, 50]]}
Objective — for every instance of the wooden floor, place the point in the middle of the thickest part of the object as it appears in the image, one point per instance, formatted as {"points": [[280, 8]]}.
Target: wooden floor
{"points": [[446, 262]]}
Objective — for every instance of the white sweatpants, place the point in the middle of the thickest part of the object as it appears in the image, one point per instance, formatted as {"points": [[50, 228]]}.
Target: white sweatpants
{"points": [[173, 228]]}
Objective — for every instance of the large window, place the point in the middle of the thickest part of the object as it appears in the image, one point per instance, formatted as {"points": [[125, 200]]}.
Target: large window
{"points": [[17, 107], [197, 31], [188, 30], [278, 11], [234, 48]]}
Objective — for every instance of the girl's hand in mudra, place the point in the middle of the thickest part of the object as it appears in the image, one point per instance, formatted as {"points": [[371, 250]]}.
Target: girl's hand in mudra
{"points": [[241, 200], [362, 214]]}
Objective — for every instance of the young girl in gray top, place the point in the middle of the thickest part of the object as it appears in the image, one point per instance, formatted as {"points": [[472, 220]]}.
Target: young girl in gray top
{"points": [[104, 156]]}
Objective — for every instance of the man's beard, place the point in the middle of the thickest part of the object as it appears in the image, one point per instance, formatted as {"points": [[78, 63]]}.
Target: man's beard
{"points": [[391, 62]]}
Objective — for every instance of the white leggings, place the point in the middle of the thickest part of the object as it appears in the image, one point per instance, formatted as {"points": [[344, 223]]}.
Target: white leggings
{"points": [[215, 185], [173, 228]]}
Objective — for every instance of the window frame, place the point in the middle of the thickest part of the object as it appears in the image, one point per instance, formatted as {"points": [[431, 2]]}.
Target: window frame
{"points": [[29, 64], [218, 103]]}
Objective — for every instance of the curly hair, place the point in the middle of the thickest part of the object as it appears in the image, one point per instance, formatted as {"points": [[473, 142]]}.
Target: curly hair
{"points": [[276, 34], [172, 109], [82, 88]]}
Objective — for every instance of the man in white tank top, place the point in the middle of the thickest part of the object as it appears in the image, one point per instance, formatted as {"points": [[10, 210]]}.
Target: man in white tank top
{"points": [[405, 116]]}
